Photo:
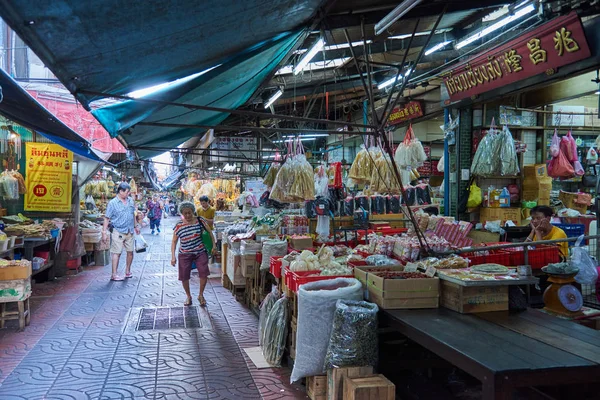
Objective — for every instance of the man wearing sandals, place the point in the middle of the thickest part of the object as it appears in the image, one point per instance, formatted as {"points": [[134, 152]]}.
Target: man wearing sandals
{"points": [[120, 211], [191, 249]]}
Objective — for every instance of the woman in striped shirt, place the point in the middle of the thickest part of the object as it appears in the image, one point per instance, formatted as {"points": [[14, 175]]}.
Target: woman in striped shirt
{"points": [[191, 249]]}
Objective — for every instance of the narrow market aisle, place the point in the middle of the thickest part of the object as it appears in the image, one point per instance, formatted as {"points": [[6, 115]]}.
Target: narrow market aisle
{"points": [[89, 338]]}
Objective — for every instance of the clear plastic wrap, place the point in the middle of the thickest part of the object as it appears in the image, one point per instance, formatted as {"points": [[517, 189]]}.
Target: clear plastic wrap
{"points": [[275, 332], [207, 190], [379, 260], [361, 167], [271, 174], [316, 307], [272, 248], [348, 208], [265, 309], [10, 187], [321, 182], [323, 226], [588, 273], [283, 182], [383, 178], [508, 155], [303, 187], [410, 152], [486, 160], [354, 339]]}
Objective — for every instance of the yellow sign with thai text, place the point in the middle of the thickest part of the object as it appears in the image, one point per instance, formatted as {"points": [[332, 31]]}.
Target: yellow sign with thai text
{"points": [[48, 177]]}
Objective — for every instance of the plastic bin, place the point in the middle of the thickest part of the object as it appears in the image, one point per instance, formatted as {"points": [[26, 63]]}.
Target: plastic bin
{"points": [[275, 266], [539, 257], [4, 245], [496, 256], [54, 233], [74, 263], [37, 263], [572, 230]]}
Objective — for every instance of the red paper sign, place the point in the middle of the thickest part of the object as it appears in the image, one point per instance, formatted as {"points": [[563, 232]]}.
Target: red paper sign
{"points": [[408, 111], [556, 43]]}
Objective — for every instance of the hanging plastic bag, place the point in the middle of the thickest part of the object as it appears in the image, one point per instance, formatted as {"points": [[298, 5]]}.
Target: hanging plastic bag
{"points": [[592, 156], [475, 198], [486, 161], [588, 273], [360, 170], [78, 249], [140, 244], [508, 156], [440, 165], [265, 308], [560, 167], [555, 145], [569, 147]]}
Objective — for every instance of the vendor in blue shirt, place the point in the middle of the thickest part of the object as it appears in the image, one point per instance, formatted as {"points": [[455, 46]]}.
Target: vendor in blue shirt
{"points": [[121, 213]]}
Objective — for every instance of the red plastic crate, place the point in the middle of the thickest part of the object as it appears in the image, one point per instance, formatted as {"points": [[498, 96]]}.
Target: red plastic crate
{"points": [[74, 263], [293, 279], [275, 266], [498, 257], [539, 257]]}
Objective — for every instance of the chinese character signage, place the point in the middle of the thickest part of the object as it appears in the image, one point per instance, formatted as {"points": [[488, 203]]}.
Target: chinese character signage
{"points": [[406, 112], [48, 177], [557, 43], [233, 149]]}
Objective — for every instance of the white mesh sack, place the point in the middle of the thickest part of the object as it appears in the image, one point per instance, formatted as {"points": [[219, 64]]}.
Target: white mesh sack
{"points": [[272, 248], [316, 308]]}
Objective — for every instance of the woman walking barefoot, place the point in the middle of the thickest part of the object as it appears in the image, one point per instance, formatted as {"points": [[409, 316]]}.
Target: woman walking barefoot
{"points": [[191, 249]]}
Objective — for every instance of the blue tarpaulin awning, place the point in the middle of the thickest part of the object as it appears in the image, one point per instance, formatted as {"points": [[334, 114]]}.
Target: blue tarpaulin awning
{"points": [[228, 86], [18, 106], [116, 47]]}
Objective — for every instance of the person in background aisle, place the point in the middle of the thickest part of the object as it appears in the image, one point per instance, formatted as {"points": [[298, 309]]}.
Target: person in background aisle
{"points": [[166, 207], [120, 212], [191, 249], [154, 214], [206, 211], [541, 229]]}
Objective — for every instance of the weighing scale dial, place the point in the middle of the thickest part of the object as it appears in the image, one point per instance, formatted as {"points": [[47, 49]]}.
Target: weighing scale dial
{"points": [[570, 298]]}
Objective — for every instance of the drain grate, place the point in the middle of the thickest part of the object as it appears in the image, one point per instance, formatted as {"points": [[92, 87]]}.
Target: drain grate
{"points": [[160, 318]]}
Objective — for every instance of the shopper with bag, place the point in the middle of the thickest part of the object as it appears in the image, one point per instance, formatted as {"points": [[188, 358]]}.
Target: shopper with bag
{"points": [[120, 212], [154, 214], [196, 243]]}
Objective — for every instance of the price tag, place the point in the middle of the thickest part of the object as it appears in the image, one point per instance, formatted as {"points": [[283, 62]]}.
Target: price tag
{"points": [[430, 271], [410, 267]]}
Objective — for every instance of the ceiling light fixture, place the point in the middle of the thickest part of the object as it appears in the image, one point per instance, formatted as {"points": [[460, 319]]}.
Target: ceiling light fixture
{"points": [[395, 15], [317, 65], [291, 140], [437, 47], [387, 83], [274, 98], [309, 56], [505, 21], [425, 33], [309, 135], [336, 46]]}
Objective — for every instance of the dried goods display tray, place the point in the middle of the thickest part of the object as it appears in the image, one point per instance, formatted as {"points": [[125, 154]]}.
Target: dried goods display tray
{"points": [[452, 275]]}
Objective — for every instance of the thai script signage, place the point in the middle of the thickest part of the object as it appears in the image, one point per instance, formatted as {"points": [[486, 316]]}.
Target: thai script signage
{"points": [[414, 109], [558, 42], [48, 177]]}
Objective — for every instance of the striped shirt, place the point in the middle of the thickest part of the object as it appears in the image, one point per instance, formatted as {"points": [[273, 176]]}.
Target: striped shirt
{"points": [[190, 237], [121, 215]]}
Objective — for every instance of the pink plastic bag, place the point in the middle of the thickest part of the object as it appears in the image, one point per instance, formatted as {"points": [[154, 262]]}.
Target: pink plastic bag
{"points": [[560, 167], [555, 145], [569, 147]]}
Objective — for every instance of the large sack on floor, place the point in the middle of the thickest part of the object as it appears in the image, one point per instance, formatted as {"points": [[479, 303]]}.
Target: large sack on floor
{"points": [[316, 307]]}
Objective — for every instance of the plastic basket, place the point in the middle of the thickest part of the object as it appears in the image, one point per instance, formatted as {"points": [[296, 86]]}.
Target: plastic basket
{"points": [[275, 266], [572, 230], [538, 257], [495, 256], [296, 278], [37, 263], [54, 233]]}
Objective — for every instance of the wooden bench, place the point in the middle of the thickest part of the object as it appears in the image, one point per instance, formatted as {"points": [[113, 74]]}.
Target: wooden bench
{"points": [[505, 351]]}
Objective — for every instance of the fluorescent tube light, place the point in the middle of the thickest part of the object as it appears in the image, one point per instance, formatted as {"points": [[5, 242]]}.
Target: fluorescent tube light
{"points": [[598, 92], [437, 32], [387, 83], [274, 98], [486, 31], [437, 47], [309, 135], [395, 15], [317, 65], [292, 140], [337, 46], [309, 56]]}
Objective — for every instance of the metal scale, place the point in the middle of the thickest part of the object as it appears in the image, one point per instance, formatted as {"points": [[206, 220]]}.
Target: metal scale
{"points": [[561, 297]]}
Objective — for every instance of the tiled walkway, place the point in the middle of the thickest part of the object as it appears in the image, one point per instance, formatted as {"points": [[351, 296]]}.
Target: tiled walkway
{"points": [[82, 342]]}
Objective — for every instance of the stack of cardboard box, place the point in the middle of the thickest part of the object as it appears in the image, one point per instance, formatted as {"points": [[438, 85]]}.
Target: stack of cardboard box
{"points": [[536, 184]]}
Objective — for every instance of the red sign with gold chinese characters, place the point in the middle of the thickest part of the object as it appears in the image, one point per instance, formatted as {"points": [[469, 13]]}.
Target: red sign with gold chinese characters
{"points": [[558, 42], [408, 111]]}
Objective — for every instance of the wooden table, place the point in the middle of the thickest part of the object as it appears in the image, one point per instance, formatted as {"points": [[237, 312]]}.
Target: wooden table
{"points": [[505, 351]]}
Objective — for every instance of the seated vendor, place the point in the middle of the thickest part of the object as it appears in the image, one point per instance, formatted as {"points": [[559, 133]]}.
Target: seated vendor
{"points": [[541, 229]]}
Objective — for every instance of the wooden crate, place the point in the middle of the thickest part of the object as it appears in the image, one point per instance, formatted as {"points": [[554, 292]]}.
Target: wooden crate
{"points": [[291, 342], [226, 282], [335, 379], [372, 387], [473, 299], [316, 387]]}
